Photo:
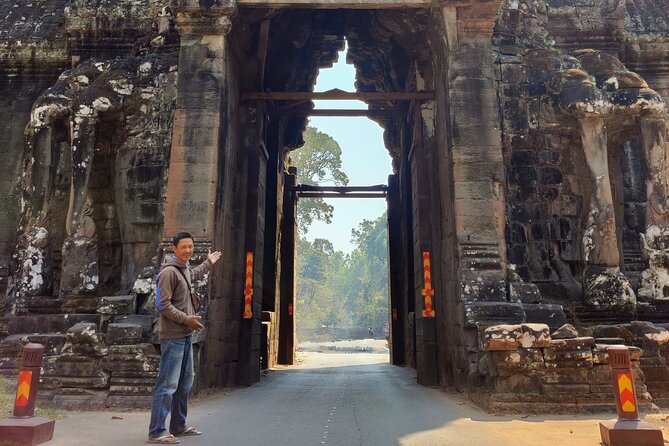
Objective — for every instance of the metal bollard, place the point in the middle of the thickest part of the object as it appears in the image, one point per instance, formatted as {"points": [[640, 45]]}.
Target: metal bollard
{"points": [[628, 429], [24, 429]]}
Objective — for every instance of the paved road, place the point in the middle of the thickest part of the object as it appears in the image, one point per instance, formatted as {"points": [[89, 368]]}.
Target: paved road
{"points": [[336, 399]]}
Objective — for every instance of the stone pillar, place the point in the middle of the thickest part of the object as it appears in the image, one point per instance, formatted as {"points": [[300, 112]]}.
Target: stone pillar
{"points": [[474, 146], [478, 165], [200, 137], [604, 285], [600, 242], [199, 128], [656, 153], [655, 280], [80, 254]]}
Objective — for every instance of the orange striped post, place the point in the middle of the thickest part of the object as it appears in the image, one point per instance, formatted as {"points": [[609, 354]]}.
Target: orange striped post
{"points": [[248, 287], [427, 291], [24, 428], [628, 428]]}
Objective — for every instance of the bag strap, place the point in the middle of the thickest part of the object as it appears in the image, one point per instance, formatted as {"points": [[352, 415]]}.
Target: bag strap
{"points": [[184, 276]]}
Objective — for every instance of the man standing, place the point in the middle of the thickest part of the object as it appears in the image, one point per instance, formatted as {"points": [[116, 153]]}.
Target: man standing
{"points": [[178, 320]]}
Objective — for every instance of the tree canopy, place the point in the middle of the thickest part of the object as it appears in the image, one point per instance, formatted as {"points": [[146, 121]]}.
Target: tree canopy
{"points": [[318, 162], [337, 291]]}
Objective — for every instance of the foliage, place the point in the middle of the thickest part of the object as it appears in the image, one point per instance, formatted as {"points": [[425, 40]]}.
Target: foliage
{"points": [[335, 290], [318, 162]]}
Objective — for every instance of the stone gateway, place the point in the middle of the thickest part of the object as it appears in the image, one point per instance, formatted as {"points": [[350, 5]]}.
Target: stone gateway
{"points": [[530, 187]]}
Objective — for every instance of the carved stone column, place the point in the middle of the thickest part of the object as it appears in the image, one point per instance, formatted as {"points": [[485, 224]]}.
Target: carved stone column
{"points": [[655, 280], [199, 187], [199, 128], [80, 253], [478, 165], [600, 242], [604, 285], [656, 153], [473, 142]]}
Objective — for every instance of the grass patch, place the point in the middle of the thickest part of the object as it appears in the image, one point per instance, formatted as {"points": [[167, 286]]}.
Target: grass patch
{"points": [[7, 395]]}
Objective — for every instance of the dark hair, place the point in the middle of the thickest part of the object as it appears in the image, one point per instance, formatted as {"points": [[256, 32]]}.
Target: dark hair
{"points": [[180, 236]]}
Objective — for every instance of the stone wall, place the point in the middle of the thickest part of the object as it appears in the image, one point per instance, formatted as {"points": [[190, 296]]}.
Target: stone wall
{"points": [[526, 369]]}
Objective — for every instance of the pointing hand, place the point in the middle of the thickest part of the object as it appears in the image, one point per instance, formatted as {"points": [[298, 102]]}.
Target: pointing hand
{"points": [[213, 256]]}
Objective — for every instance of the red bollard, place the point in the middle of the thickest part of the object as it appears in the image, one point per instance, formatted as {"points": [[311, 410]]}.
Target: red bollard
{"points": [[23, 429], [628, 429]]}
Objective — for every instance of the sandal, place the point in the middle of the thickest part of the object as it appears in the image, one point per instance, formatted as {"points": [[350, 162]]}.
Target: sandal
{"points": [[164, 439], [188, 432]]}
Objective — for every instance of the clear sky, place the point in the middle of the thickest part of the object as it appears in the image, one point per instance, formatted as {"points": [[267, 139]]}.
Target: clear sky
{"points": [[365, 159]]}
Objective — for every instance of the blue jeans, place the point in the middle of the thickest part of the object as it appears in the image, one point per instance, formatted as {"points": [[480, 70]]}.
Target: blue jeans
{"points": [[175, 380]]}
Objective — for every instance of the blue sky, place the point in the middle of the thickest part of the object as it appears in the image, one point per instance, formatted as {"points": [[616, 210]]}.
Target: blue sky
{"points": [[364, 158]]}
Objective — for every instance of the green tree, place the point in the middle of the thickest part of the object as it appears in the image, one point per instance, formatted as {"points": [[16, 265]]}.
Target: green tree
{"points": [[318, 162], [367, 271]]}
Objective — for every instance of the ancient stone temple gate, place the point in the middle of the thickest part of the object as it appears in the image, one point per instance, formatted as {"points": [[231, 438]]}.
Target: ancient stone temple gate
{"points": [[529, 186]]}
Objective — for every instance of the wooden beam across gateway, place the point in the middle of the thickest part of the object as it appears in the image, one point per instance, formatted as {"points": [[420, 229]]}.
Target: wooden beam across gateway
{"points": [[334, 195], [339, 112], [338, 95], [309, 191]]}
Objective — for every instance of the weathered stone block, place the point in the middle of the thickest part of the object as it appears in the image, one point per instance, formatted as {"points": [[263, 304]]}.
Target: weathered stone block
{"points": [[98, 381], [649, 331], [124, 334], [519, 384], [549, 314], [609, 341], [491, 313], [144, 321], [567, 331], [117, 304], [131, 390], [140, 350], [565, 357], [53, 343], [608, 288], [501, 337], [613, 331], [80, 304], [83, 338], [524, 360], [579, 343], [565, 389], [524, 293], [565, 376], [69, 364], [534, 335]]}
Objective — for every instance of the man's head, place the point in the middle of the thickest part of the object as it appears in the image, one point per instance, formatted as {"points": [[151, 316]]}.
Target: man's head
{"points": [[182, 245]]}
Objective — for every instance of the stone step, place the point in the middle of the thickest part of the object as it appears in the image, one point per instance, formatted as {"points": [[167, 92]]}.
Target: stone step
{"points": [[48, 323], [43, 305]]}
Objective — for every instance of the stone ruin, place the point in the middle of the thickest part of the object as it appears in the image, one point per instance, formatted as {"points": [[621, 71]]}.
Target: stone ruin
{"points": [[534, 175]]}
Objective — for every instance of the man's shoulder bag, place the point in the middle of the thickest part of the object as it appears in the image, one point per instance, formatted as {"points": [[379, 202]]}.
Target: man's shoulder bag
{"points": [[194, 298]]}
